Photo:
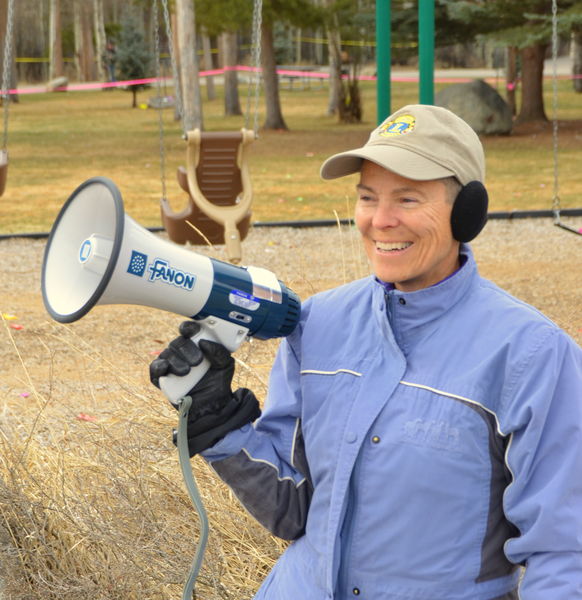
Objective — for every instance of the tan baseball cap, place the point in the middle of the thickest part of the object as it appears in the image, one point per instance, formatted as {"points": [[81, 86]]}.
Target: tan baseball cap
{"points": [[420, 142]]}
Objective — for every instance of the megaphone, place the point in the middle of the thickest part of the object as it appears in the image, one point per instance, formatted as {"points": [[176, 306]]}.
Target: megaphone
{"points": [[96, 254]]}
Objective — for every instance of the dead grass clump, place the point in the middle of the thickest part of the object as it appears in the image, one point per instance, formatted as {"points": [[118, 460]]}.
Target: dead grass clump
{"points": [[93, 503]]}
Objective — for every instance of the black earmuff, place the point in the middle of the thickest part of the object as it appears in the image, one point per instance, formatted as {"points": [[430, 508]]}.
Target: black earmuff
{"points": [[469, 213]]}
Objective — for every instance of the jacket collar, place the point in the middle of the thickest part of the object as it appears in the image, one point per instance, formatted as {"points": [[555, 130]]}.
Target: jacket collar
{"points": [[409, 311]]}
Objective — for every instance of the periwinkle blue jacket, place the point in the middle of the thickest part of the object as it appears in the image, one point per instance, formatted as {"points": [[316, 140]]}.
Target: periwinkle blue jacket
{"points": [[418, 446]]}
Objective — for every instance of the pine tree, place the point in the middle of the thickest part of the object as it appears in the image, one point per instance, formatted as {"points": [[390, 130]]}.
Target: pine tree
{"points": [[352, 22], [526, 26], [134, 58]]}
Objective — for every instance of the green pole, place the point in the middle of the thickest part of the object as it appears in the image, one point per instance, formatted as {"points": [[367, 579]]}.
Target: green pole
{"points": [[426, 51], [383, 59]]}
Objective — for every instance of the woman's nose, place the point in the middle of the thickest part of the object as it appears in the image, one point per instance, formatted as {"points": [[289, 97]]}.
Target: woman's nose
{"points": [[385, 216]]}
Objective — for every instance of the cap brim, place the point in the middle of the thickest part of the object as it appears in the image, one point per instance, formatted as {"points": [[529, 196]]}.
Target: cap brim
{"points": [[398, 160]]}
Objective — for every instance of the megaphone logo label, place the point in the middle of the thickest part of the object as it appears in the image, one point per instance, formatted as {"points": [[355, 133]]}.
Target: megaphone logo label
{"points": [[137, 263], [85, 251], [161, 270]]}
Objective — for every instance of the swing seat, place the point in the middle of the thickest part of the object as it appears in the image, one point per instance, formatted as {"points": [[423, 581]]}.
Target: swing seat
{"points": [[218, 185], [3, 170]]}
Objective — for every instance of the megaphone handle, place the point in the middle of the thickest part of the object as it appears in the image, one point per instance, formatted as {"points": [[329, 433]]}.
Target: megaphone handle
{"points": [[231, 335], [175, 387]]}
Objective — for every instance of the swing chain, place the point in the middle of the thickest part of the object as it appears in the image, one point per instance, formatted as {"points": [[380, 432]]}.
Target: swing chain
{"points": [[256, 60], [159, 99], [256, 64], [6, 70], [556, 196], [175, 74]]}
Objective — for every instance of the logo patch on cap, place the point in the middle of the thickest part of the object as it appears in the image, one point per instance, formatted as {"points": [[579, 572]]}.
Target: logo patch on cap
{"points": [[398, 126]]}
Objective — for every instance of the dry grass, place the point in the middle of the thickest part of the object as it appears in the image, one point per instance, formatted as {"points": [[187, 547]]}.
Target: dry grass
{"points": [[91, 494], [58, 140]]}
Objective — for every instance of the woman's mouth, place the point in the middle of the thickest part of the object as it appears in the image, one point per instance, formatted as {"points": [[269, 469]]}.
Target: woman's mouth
{"points": [[392, 247]]}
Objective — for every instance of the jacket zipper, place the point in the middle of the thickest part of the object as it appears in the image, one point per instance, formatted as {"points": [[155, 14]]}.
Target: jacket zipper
{"points": [[347, 533]]}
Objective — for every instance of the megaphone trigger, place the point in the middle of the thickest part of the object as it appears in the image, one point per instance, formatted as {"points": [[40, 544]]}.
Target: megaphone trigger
{"points": [[224, 332]]}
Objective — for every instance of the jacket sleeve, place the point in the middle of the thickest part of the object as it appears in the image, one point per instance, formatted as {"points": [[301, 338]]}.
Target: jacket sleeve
{"points": [[265, 465], [544, 417]]}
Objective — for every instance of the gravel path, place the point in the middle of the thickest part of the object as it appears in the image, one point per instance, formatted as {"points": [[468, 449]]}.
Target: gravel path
{"points": [[531, 258]]}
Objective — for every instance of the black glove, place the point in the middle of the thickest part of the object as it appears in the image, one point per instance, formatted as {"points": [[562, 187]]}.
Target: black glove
{"points": [[215, 409]]}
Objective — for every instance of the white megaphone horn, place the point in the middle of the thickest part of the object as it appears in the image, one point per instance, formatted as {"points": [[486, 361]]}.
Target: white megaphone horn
{"points": [[96, 254]]}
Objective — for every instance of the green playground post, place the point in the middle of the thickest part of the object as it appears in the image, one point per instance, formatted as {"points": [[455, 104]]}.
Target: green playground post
{"points": [[383, 59], [426, 51]]}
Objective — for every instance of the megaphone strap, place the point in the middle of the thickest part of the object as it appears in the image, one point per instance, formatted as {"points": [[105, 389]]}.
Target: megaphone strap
{"points": [[193, 492]]}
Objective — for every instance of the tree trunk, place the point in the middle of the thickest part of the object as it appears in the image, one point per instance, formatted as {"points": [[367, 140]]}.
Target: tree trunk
{"points": [[208, 66], [298, 54], [229, 55], [334, 47], [318, 50], [88, 44], [577, 55], [178, 59], [532, 100], [56, 68], [350, 101], [3, 22], [191, 98], [84, 53], [511, 78], [335, 70], [274, 117], [13, 79], [115, 12], [100, 39], [78, 33]]}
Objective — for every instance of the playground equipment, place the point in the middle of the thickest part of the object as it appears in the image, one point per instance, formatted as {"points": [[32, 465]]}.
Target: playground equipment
{"points": [[5, 94], [556, 193], [216, 177], [218, 182]]}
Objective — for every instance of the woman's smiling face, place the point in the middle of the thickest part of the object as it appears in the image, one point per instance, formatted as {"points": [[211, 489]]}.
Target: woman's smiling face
{"points": [[406, 228]]}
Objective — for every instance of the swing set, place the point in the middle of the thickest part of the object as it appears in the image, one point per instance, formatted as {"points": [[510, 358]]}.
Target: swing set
{"points": [[216, 176]]}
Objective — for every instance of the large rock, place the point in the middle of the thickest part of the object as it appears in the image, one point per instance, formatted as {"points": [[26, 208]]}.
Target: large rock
{"points": [[160, 102], [479, 105], [59, 84]]}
